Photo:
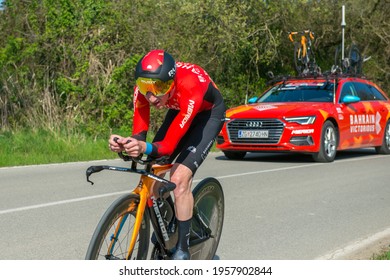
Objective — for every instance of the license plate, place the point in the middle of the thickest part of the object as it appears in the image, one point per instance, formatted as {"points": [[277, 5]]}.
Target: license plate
{"points": [[253, 134]]}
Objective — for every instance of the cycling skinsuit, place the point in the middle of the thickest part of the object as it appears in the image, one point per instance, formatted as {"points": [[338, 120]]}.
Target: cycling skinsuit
{"points": [[195, 117]]}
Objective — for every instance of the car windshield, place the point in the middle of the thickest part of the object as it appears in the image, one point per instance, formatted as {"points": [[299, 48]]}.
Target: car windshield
{"points": [[299, 92]]}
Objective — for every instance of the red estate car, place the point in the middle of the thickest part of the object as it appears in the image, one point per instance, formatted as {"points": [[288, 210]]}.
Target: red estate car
{"points": [[316, 115]]}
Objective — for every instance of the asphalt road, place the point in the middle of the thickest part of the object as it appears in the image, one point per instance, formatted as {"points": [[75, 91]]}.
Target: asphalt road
{"points": [[278, 206]]}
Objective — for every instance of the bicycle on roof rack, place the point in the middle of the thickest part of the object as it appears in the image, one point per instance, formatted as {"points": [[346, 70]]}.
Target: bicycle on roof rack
{"points": [[352, 64], [123, 232], [304, 58]]}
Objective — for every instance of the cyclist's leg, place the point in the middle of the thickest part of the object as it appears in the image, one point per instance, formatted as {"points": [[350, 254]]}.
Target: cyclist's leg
{"points": [[193, 148], [184, 203]]}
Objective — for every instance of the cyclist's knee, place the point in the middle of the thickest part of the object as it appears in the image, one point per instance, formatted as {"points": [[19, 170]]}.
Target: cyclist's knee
{"points": [[182, 177], [183, 185]]}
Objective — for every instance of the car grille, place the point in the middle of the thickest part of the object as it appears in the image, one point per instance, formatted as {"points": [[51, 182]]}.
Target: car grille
{"points": [[274, 126]]}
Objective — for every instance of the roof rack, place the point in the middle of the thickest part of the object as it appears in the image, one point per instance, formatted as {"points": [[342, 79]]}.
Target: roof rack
{"points": [[326, 75]]}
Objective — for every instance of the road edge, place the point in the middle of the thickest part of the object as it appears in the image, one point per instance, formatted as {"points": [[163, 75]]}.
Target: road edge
{"points": [[362, 249]]}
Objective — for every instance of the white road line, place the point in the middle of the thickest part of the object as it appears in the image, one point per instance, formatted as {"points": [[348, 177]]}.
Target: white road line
{"points": [[37, 206], [26, 208]]}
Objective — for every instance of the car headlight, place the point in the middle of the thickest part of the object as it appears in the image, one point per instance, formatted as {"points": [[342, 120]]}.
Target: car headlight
{"points": [[301, 120]]}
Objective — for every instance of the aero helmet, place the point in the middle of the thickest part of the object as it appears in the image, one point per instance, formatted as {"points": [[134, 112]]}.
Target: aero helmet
{"points": [[155, 72]]}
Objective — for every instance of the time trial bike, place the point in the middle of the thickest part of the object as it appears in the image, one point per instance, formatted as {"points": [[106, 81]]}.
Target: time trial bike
{"points": [[124, 231], [304, 59]]}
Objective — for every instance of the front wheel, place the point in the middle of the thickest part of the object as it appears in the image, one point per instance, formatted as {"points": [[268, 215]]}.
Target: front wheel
{"points": [[385, 147], [328, 143], [300, 61], [111, 238], [209, 207]]}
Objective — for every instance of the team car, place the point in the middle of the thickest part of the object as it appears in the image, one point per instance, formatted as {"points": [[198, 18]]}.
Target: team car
{"points": [[319, 115]]}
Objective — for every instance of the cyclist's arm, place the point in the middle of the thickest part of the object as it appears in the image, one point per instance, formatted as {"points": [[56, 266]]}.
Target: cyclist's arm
{"points": [[141, 116], [189, 107]]}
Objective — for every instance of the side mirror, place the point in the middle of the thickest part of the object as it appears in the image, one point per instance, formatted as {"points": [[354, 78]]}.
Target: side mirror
{"points": [[350, 99], [252, 100]]}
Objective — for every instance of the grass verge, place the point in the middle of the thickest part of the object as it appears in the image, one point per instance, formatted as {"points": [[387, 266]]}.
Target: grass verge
{"points": [[30, 147], [40, 147], [383, 256]]}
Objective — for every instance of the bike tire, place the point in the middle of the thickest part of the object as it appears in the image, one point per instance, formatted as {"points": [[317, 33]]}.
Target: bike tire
{"points": [[210, 204], [355, 60], [298, 58], [124, 207]]}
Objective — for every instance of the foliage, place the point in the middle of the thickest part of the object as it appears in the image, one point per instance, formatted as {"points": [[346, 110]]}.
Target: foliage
{"points": [[70, 63]]}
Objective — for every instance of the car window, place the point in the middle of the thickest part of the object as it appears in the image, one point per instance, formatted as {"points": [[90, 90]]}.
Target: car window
{"points": [[347, 89], [364, 92], [319, 92], [376, 93]]}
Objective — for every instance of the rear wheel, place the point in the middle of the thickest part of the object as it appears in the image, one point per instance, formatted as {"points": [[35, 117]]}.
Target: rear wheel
{"points": [[234, 155], [385, 147], [328, 143], [209, 207], [111, 238]]}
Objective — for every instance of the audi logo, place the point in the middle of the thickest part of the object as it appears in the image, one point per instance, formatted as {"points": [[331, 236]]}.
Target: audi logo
{"points": [[254, 124]]}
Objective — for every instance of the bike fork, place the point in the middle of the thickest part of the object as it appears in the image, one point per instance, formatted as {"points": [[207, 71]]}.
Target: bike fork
{"points": [[138, 221]]}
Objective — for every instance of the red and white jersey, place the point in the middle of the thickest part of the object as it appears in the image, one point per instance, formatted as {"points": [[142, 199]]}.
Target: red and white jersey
{"points": [[194, 92]]}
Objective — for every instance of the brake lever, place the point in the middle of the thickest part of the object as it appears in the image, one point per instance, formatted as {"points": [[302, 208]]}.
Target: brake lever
{"points": [[91, 170]]}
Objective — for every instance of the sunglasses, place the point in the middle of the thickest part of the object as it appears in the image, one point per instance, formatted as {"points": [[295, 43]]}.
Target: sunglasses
{"points": [[155, 86]]}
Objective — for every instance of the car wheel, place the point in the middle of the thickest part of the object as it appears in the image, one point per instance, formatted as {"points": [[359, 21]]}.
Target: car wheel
{"points": [[328, 144], [385, 148], [234, 155]]}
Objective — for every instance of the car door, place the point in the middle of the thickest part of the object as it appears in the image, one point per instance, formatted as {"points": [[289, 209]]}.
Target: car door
{"points": [[376, 100], [354, 117]]}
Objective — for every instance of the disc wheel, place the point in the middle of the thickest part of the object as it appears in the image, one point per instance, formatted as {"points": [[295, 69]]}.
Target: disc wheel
{"points": [[209, 207]]}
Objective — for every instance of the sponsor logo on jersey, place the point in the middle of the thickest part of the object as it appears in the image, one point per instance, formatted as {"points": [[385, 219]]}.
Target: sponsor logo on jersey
{"points": [[187, 116]]}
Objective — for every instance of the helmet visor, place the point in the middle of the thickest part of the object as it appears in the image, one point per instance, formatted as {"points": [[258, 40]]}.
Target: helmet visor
{"points": [[155, 86]]}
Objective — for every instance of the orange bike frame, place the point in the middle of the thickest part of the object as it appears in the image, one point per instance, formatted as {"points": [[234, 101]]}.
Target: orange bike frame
{"points": [[303, 40], [143, 189]]}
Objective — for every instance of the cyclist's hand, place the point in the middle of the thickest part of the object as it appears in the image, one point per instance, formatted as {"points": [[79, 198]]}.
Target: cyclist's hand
{"points": [[115, 143], [133, 147]]}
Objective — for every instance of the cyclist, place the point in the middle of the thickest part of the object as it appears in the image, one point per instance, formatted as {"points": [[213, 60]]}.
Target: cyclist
{"points": [[194, 118]]}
